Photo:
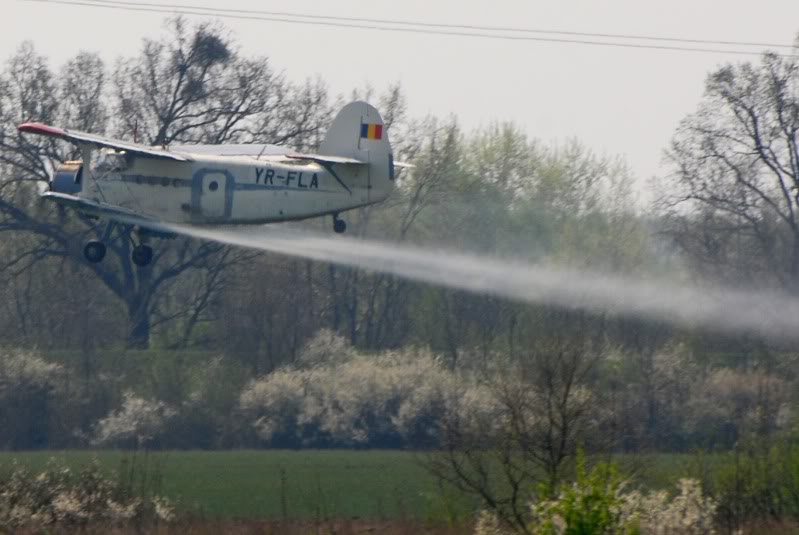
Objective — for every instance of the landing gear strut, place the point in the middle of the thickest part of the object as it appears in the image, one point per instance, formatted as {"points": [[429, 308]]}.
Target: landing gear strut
{"points": [[339, 225], [142, 254]]}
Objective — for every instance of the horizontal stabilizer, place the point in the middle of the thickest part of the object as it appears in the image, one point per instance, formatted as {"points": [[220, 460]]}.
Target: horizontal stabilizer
{"points": [[318, 158]]}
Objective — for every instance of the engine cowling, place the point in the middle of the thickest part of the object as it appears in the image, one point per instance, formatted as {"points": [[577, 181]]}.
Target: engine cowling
{"points": [[67, 178]]}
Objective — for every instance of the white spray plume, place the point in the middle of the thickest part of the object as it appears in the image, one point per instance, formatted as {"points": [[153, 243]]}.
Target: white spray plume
{"points": [[730, 310]]}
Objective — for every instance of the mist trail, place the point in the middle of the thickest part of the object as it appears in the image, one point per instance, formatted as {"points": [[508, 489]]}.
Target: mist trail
{"points": [[726, 309]]}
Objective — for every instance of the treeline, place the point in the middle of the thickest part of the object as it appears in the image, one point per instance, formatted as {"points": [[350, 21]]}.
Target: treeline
{"points": [[564, 392], [209, 346]]}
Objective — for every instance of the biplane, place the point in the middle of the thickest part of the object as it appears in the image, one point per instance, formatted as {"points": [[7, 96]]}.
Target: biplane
{"points": [[142, 186]]}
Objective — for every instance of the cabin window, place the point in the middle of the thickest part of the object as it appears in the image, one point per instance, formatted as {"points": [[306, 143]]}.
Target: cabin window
{"points": [[111, 161]]}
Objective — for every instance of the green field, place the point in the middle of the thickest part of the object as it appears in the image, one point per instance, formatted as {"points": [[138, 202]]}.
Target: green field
{"points": [[307, 484], [278, 483]]}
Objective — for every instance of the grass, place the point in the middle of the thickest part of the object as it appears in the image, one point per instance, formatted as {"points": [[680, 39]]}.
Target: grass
{"points": [[308, 485], [330, 491], [267, 527], [278, 484]]}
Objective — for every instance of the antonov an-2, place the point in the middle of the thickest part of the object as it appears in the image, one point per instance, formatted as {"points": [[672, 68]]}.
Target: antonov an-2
{"points": [[143, 186]]}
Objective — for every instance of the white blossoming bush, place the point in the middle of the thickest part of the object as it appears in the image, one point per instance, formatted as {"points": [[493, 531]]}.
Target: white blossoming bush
{"points": [[325, 348], [687, 513], [137, 423], [275, 404], [18, 368], [58, 496], [378, 400]]}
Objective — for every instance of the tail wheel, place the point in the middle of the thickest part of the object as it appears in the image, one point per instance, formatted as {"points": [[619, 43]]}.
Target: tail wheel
{"points": [[339, 226], [94, 251], [142, 255]]}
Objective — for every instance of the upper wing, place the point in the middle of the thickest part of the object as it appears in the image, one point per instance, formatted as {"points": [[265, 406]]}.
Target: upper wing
{"points": [[267, 152], [82, 138], [232, 149]]}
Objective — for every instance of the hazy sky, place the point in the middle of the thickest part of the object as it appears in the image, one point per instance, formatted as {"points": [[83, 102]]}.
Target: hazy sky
{"points": [[617, 101]]}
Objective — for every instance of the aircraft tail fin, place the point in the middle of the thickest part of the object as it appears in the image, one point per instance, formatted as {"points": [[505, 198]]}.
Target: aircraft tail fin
{"points": [[358, 133]]}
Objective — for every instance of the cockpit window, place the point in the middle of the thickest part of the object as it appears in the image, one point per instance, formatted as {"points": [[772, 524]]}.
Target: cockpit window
{"points": [[111, 161]]}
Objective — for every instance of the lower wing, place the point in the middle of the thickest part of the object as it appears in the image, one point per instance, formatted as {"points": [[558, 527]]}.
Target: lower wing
{"points": [[117, 213]]}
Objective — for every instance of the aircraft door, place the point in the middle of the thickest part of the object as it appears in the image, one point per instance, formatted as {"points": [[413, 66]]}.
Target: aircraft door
{"points": [[212, 202]]}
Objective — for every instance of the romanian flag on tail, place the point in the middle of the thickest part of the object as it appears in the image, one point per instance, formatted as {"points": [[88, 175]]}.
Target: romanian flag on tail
{"points": [[371, 131]]}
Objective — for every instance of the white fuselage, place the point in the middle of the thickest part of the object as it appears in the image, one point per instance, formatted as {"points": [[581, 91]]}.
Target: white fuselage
{"points": [[230, 189]]}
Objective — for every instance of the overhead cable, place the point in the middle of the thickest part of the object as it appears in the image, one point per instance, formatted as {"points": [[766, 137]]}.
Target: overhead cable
{"points": [[406, 27], [396, 22]]}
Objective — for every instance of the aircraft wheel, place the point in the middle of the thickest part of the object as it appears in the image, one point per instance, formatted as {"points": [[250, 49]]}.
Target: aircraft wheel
{"points": [[339, 225], [94, 251], [142, 255]]}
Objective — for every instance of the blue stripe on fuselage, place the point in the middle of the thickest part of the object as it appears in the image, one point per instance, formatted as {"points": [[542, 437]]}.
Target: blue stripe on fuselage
{"points": [[164, 181]]}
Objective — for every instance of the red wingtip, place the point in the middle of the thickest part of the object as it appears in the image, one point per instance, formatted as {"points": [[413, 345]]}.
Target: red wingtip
{"points": [[41, 129]]}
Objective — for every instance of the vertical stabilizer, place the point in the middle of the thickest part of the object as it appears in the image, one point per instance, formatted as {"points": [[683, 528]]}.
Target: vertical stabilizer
{"points": [[358, 132]]}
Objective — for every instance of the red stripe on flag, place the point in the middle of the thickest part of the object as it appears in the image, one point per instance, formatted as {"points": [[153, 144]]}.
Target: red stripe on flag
{"points": [[378, 131]]}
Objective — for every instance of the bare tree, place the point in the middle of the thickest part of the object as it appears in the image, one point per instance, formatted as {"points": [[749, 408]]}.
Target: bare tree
{"points": [[82, 93], [546, 410], [176, 86], [301, 118], [735, 208]]}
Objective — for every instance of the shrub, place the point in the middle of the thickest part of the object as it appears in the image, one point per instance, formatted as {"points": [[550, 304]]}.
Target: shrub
{"points": [[597, 504], [688, 513], [489, 524], [59, 496], [138, 423], [274, 405], [731, 404], [31, 391], [592, 505], [388, 400], [325, 348], [754, 484]]}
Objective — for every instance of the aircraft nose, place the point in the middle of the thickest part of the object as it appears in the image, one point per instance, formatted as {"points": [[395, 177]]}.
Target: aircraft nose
{"points": [[67, 178]]}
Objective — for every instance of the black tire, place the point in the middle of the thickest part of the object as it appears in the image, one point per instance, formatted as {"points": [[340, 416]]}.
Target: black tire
{"points": [[142, 255], [339, 225], [94, 251]]}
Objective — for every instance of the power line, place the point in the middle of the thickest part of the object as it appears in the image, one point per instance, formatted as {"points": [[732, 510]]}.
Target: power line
{"points": [[445, 26], [129, 6]]}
